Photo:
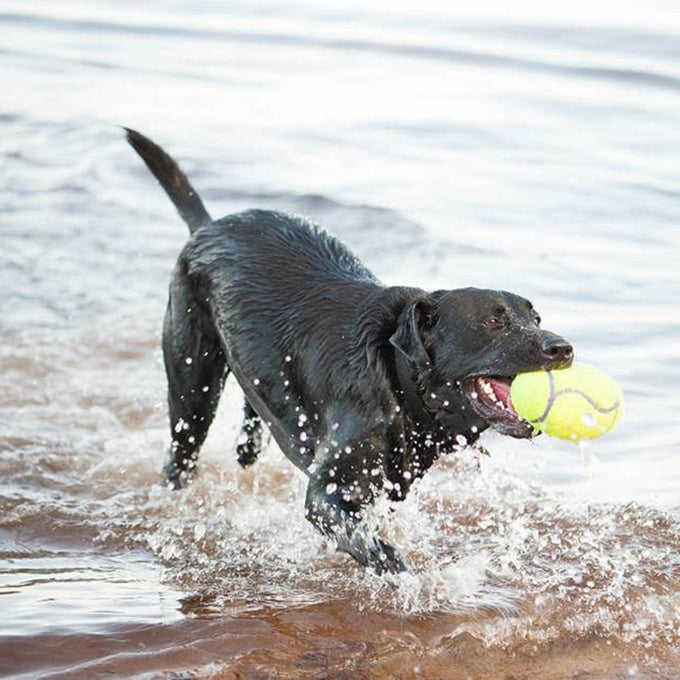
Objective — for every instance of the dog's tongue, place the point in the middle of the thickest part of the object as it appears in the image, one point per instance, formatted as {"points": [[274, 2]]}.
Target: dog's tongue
{"points": [[501, 389]]}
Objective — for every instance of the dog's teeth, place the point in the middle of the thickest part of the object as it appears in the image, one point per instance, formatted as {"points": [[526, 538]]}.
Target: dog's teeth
{"points": [[488, 390]]}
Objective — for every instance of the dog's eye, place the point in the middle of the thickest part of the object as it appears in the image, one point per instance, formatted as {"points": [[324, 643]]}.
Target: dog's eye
{"points": [[492, 322]]}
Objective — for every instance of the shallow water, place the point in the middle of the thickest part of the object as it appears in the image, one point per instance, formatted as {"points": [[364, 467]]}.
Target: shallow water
{"points": [[533, 149]]}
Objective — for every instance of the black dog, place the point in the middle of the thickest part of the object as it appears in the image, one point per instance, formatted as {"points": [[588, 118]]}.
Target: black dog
{"points": [[362, 386]]}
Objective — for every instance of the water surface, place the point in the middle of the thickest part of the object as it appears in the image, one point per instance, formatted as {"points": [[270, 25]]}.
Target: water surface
{"points": [[530, 148]]}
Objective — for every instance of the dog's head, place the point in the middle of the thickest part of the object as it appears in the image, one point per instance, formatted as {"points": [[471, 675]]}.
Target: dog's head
{"points": [[476, 341]]}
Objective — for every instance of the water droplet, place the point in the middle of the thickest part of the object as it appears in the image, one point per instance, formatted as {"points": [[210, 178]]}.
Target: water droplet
{"points": [[331, 488], [188, 360], [288, 358], [256, 381]]}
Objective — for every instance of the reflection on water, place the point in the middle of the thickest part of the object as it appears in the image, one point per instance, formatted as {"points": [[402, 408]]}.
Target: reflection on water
{"points": [[85, 591], [447, 146]]}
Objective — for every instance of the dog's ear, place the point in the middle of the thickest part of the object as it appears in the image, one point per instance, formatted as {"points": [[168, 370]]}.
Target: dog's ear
{"points": [[408, 337]]}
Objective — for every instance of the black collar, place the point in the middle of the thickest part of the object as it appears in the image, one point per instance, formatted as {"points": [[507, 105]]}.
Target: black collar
{"points": [[413, 402]]}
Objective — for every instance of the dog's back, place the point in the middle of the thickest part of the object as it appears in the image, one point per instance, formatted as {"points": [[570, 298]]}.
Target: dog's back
{"points": [[258, 246]]}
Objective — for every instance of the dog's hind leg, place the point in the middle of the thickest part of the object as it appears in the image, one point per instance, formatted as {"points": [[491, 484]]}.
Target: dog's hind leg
{"points": [[196, 368], [250, 439]]}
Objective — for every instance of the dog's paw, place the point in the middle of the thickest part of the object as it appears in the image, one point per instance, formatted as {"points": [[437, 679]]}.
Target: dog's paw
{"points": [[375, 554], [248, 451], [176, 477], [249, 442], [385, 559]]}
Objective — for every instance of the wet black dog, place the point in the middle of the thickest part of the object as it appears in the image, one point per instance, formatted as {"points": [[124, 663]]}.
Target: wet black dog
{"points": [[361, 385]]}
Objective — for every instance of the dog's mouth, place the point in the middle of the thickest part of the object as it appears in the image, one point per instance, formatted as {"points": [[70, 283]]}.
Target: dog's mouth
{"points": [[489, 397]]}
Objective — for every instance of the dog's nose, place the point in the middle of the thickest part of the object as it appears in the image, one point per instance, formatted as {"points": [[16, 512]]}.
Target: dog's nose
{"points": [[557, 350]]}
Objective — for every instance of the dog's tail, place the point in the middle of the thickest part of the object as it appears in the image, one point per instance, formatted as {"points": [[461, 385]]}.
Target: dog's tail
{"points": [[172, 179]]}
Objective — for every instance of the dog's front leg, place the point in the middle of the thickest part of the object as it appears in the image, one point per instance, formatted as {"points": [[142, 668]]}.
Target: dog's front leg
{"points": [[339, 488]]}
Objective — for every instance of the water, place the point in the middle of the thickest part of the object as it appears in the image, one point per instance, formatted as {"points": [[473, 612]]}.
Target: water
{"points": [[532, 148]]}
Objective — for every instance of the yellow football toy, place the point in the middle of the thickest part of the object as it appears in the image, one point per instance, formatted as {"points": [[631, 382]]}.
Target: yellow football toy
{"points": [[580, 402]]}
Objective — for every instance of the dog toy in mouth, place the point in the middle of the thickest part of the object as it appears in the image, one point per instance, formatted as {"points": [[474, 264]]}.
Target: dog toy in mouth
{"points": [[580, 402]]}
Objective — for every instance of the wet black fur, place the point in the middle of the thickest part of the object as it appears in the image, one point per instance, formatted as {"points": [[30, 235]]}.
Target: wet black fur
{"points": [[315, 340]]}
